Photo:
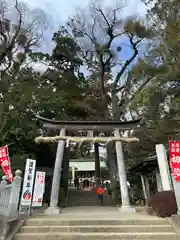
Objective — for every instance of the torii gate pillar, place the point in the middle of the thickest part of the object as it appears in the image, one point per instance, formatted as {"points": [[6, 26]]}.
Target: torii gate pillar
{"points": [[125, 207], [53, 209]]}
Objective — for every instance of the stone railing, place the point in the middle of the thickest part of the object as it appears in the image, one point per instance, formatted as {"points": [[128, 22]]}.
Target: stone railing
{"points": [[9, 197], [9, 206], [5, 193]]}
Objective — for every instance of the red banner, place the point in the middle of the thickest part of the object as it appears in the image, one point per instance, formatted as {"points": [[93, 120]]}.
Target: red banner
{"points": [[174, 155], [5, 163]]}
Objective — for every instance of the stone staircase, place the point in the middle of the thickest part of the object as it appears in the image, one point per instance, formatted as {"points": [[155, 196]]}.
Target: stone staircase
{"points": [[84, 198], [56, 228]]}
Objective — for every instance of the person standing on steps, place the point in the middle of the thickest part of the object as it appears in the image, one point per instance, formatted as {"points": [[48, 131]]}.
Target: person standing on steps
{"points": [[100, 193]]}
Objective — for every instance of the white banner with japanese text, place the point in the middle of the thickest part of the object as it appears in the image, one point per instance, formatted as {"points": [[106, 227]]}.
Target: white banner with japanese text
{"points": [[39, 188], [27, 190]]}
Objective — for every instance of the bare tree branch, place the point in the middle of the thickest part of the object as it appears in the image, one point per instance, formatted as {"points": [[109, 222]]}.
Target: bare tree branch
{"points": [[98, 9], [20, 38], [129, 61], [7, 51]]}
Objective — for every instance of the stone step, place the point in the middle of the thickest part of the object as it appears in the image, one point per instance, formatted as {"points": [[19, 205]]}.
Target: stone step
{"points": [[85, 202], [84, 195], [84, 199], [45, 221], [96, 236], [80, 198], [79, 203], [96, 228]]}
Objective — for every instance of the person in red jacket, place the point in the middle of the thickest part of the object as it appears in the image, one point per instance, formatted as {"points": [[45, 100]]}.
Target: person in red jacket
{"points": [[100, 193]]}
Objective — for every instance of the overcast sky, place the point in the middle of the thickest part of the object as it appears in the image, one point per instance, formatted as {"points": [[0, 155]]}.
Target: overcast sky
{"points": [[59, 11]]}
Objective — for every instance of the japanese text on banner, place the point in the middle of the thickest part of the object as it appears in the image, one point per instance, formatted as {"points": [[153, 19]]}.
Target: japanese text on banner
{"points": [[39, 189], [5, 162], [28, 182], [26, 197], [174, 155]]}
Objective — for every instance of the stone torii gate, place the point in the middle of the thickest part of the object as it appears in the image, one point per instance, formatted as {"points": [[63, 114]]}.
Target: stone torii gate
{"points": [[90, 127]]}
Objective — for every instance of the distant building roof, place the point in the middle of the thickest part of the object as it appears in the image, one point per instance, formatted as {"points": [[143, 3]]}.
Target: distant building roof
{"points": [[146, 164], [86, 166]]}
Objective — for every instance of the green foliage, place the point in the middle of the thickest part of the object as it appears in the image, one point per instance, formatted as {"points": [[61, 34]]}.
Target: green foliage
{"points": [[150, 89], [60, 91], [158, 102], [18, 34], [137, 29]]}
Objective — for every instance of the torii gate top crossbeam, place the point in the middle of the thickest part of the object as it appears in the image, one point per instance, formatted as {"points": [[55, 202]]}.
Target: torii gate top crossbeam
{"points": [[89, 125]]}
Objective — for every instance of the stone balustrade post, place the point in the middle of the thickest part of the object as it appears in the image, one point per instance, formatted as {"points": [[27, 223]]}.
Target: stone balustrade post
{"points": [[4, 180], [15, 195], [10, 212]]}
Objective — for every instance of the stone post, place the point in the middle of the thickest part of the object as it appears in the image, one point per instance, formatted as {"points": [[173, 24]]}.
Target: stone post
{"points": [[159, 182], [122, 176], [176, 186], [95, 149], [97, 164], [15, 195], [147, 186], [144, 188], [112, 167], [163, 167], [73, 174], [65, 177], [53, 208]]}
